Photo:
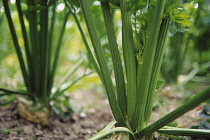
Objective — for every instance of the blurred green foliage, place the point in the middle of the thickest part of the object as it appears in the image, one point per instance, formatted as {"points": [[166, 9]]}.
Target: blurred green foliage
{"points": [[72, 51], [188, 49]]}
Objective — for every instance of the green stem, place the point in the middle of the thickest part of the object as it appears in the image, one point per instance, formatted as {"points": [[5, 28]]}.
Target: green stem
{"points": [[118, 69], [57, 51], [17, 46], [190, 104], [106, 78], [146, 72], [44, 54], [34, 43], [129, 57], [60, 90], [204, 133], [26, 43], [70, 73], [89, 52], [156, 68], [50, 37], [18, 93]]}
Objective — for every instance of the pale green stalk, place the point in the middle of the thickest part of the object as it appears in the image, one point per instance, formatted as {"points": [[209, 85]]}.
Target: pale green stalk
{"points": [[109, 130], [129, 57], [118, 69], [57, 52], [26, 42], [89, 53], [105, 75], [50, 37], [44, 51], [6, 91], [71, 72], [146, 73], [17, 46], [204, 133], [60, 89], [156, 68], [34, 43]]}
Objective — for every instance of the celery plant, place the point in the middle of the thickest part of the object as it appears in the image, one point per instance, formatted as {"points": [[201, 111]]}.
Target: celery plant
{"points": [[144, 30], [39, 59]]}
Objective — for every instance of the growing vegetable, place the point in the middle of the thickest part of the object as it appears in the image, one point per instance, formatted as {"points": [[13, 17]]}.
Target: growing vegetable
{"points": [[39, 56], [144, 30]]}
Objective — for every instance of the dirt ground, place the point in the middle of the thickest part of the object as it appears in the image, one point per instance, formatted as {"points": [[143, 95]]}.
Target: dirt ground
{"points": [[80, 125]]}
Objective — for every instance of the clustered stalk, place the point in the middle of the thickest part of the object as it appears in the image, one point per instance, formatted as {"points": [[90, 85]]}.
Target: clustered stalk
{"points": [[127, 96], [135, 81], [129, 57], [106, 78], [42, 56], [118, 69]]}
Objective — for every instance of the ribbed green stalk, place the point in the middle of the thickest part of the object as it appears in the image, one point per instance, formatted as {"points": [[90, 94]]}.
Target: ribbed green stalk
{"points": [[26, 43], [44, 95], [71, 72], [190, 104], [60, 90], [156, 68], [118, 70], [90, 55], [146, 73], [106, 78], [129, 57], [17, 46], [204, 133], [18, 93], [34, 43], [89, 52], [50, 39]]}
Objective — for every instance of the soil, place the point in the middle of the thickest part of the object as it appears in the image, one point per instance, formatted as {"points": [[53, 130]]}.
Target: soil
{"points": [[80, 125]]}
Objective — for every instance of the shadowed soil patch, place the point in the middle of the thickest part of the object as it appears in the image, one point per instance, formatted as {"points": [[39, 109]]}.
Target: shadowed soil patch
{"points": [[79, 126]]}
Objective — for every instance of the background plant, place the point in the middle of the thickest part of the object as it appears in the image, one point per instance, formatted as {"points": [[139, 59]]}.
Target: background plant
{"points": [[42, 33], [182, 60]]}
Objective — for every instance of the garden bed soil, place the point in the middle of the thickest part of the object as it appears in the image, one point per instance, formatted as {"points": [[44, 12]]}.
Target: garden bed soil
{"points": [[80, 125]]}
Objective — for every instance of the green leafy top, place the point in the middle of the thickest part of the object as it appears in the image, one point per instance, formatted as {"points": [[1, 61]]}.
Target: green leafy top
{"points": [[142, 14], [176, 13]]}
